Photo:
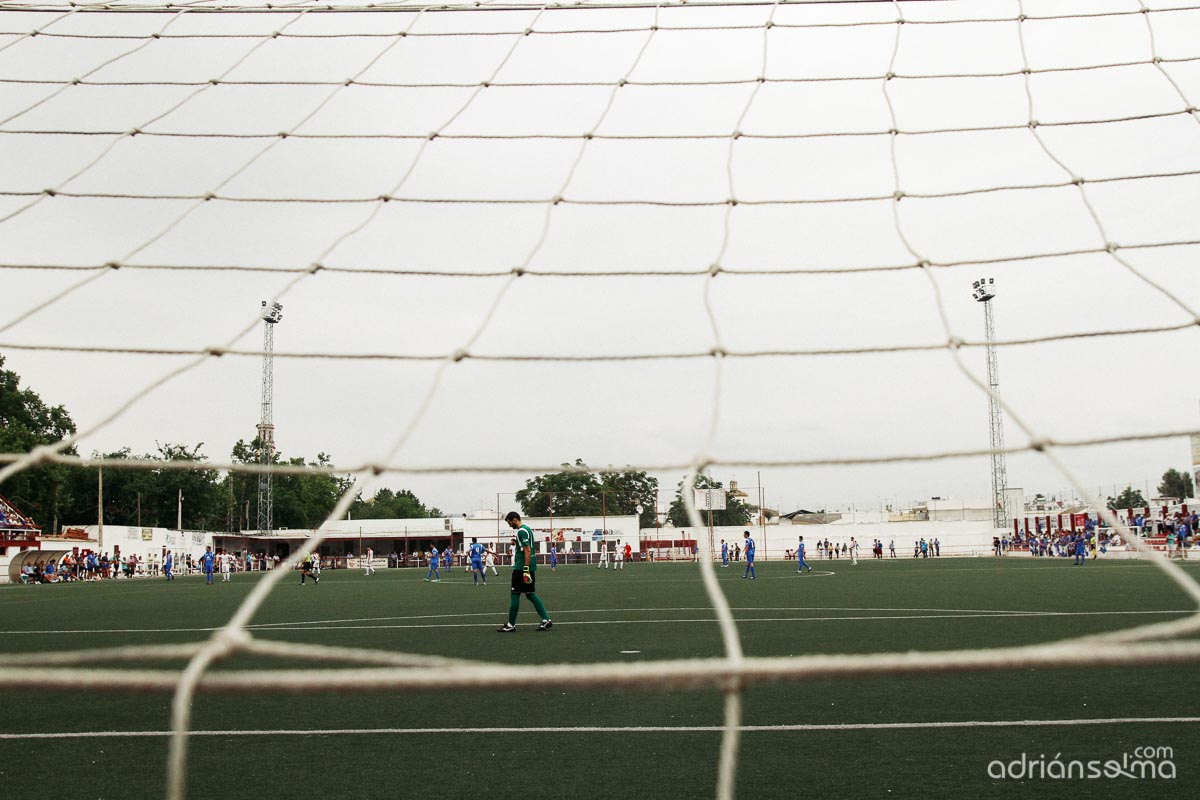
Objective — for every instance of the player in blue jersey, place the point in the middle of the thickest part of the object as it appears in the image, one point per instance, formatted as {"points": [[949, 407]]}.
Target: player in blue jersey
{"points": [[475, 551], [748, 551], [553, 558], [433, 565], [169, 565], [446, 559], [724, 553], [800, 562], [1080, 550], [208, 562]]}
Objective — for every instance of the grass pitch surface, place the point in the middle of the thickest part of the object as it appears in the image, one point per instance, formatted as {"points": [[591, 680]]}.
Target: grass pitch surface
{"points": [[842, 741]]}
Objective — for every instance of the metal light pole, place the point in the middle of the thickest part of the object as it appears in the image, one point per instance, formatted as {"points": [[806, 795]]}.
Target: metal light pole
{"points": [[266, 427], [983, 290]]}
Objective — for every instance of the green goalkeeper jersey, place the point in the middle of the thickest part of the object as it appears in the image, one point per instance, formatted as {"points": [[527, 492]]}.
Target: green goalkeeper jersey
{"points": [[524, 539]]}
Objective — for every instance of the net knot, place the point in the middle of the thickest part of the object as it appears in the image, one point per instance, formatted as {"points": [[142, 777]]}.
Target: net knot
{"points": [[49, 192], [283, 134], [315, 267], [955, 343], [1033, 123], [1078, 181], [732, 201], [898, 195], [216, 352], [76, 81], [113, 265], [1111, 247], [1039, 445], [889, 76], [348, 82], [714, 270], [458, 355], [718, 352], [924, 264]]}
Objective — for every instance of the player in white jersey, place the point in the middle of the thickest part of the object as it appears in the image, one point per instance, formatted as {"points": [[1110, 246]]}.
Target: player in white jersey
{"points": [[316, 565], [368, 567], [853, 552], [619, 556], [603, 562], [489, 561], [226, 565]]}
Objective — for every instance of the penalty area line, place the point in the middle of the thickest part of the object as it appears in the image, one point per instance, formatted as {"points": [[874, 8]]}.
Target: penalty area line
{"points": [[800, 728]]}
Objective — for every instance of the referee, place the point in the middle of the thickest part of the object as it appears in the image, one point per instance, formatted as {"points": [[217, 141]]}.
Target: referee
{"points": [[524, 577]]}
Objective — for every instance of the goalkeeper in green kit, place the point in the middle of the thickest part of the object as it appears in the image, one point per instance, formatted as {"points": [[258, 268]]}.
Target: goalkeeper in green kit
{"points": [[524, 577]]}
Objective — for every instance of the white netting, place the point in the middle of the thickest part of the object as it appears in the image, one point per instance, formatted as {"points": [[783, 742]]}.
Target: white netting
{"points": [[111, 47]]}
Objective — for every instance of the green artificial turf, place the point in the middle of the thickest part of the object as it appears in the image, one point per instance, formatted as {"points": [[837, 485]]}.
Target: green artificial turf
{"points": [[659, 611]]}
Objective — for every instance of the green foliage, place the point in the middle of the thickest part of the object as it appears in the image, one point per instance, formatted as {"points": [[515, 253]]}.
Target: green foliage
{"points": [[1128, 498], [389, 504], [149, 494], [42, 492], [1175, 484], [586, 492], [735, 513]]}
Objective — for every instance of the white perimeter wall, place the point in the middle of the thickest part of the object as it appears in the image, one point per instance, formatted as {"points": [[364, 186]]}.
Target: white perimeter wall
{"points": [[579, 533], [957, 538], [145, 542]]}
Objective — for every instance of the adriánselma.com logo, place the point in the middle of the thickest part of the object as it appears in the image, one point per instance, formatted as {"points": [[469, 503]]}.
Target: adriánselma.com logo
{"points": [[1144, 763]]}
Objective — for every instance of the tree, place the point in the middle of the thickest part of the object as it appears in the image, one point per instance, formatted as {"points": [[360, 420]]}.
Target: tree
{"points": [[624, 491], [1175, 484], [1128, 498], [735, 513], [582, 492], [42, 492], [575, 494], [389, 504]]}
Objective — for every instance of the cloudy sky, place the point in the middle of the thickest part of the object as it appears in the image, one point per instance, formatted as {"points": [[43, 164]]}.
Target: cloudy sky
{"points": [[628, 115]]}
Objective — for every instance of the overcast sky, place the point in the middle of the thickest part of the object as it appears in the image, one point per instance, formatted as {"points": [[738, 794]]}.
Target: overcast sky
{"points": [[787, 407]]}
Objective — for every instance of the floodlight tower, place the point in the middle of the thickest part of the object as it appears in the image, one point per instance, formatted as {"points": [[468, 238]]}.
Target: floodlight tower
{"points": [[983, 290], [266, 427]]}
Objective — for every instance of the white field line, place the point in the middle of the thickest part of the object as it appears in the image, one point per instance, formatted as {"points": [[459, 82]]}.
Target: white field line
{"points": [[706, 620], [850, 726], [270, 625]]}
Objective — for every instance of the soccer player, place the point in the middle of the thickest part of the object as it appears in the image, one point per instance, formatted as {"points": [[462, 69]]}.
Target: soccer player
{"points": [[368, 567], [892, 547], [477, 570], [853, 552], [447, 555], [748, 551], [800, 562], [724, 553], [169, 565], [524, 577], [603, 562], [316, 566], [629, 552], [489, 561], [207, 562], [433, 565], [619, 557], [1081, 549], [306, 569], [553, 558], [226, 566]]}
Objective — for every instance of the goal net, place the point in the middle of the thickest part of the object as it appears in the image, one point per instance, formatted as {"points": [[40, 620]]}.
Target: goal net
{"points": [[691, 234]]}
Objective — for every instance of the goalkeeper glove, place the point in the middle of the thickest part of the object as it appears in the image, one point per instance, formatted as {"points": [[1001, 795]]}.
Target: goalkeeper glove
{"points": [[525, 576]]}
